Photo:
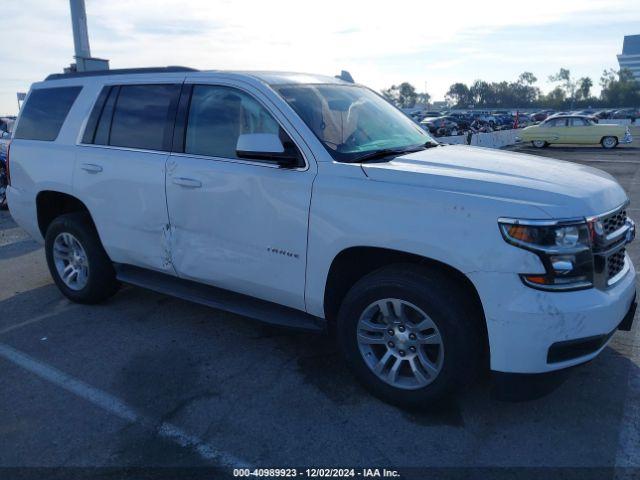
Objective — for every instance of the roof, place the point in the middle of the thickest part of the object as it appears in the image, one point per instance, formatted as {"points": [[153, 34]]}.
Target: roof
{"points": [[271, 78], [287, 78], [631, 45]]}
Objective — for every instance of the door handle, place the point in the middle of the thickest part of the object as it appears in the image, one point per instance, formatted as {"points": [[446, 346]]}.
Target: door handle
{"points": [[187, 182], [91, 168]]}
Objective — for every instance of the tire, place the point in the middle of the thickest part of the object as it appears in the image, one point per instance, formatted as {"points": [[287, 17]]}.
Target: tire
{"points": [[419, 290], [609, 142], [539, 143], [77, 232]]}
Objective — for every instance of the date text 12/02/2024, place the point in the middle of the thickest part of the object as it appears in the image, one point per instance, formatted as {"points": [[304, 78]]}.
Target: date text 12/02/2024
{"points": [[316, 472]]}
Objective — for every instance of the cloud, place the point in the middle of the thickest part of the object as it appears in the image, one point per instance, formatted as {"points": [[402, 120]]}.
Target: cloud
{"points": [[380, 43]]}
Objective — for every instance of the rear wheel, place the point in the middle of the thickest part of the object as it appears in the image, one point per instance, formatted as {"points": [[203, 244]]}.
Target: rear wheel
{"points": [[539, 143], [77, 261], [609, 142], [409, 334]]}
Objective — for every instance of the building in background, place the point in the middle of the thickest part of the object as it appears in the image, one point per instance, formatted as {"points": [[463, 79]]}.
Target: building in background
{"points": [[630, 57]]}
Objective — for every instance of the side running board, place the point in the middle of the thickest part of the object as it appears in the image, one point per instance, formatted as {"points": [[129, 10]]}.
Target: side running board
{"points": [[226, 300]]}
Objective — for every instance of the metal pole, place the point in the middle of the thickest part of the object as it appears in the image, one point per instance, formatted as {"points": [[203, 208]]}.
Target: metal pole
{"points": [[80, 33]]}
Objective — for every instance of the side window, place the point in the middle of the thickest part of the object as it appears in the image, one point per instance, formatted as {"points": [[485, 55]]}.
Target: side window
{"points": [[577, 122], [143, 116], [219, 115], [45, 112], [557, 122]]}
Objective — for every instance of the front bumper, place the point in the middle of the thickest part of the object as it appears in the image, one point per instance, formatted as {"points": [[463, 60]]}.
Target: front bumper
{"points": [[523, 324]]}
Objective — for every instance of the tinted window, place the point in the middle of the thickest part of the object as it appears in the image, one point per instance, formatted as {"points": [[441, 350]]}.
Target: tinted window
{"points": [[45, 112], [143, 116], [217, 117]]}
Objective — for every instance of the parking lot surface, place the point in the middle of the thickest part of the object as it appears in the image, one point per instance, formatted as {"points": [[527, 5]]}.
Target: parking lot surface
{"points": [[149, 380]]}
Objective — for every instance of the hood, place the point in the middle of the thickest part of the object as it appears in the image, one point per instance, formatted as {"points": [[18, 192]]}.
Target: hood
{"points": [[561, 189]]}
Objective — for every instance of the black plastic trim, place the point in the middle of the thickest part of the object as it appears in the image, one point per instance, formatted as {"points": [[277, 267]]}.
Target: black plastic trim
{"points": [[221, 299], [180, 124], [94, 117], [580, 347]]}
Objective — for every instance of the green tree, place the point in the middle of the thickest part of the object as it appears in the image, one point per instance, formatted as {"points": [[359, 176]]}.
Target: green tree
{"points": [[481, 93], [584, 89], [423, 98], [567, 83], [402, 96], [619, 88], [555, 99], [459, 95], [527, 78]]}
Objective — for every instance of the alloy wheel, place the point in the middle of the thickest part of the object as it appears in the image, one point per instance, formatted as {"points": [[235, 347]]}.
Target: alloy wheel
{"points": [[71, 261], [400, 343]]}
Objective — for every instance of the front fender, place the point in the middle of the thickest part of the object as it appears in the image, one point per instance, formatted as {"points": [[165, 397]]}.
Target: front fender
{"points": [[459, 230]]}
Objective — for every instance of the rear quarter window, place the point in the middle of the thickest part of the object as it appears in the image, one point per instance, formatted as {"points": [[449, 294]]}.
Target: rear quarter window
{"points": [[45, 112]]}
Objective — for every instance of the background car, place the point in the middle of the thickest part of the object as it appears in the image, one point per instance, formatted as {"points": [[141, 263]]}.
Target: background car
{"points": [[541, 115], [441, 126], [575, 129], [626, 113]]}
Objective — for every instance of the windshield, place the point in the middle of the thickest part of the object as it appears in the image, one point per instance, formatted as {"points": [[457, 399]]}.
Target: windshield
{"points": [[351, 121]]}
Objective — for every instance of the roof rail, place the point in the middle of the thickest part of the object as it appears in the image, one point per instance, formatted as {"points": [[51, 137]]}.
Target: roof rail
{"points": [[119, 71]]}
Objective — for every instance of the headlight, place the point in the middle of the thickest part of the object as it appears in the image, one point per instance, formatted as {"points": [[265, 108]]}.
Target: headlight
{"points": [[564, 247]]}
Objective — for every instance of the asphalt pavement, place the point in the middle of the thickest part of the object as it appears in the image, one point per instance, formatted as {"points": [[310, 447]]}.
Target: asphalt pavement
{"points": [[147, 380]]}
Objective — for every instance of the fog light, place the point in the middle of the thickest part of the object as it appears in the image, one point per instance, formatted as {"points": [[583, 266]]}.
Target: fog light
{"points": [[562, 265]]}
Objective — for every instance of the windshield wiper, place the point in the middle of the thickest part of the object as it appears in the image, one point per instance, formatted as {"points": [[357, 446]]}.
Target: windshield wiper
{"points": [[392, 152], [379, 154]]}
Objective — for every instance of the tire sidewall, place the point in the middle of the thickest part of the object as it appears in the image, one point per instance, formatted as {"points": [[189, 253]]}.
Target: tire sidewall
{"points": [[81, 228], [454, 338]]}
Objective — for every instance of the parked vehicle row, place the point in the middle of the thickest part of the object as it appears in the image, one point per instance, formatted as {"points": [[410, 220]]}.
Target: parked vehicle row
{"points": [[462, 122], [457, 122]]}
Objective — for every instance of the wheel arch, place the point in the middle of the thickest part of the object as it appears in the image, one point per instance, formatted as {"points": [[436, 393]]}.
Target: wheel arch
{"points": [[50, 204], [352, 263]]}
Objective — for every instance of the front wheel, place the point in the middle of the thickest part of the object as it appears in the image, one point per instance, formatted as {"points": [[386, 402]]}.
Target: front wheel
{"points": [[409, 335], [609, 142], [539, 143], [77, 261]]}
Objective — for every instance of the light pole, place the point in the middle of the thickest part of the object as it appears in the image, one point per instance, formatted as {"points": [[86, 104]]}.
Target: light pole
{"points": [[84, 61]]}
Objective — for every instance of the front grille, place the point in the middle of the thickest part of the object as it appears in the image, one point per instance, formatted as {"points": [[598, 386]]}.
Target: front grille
{"points": [[614, 221], [615, 263]]}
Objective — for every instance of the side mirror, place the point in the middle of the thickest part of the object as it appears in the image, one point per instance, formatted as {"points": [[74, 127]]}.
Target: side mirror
{"points": [[266, 146]]}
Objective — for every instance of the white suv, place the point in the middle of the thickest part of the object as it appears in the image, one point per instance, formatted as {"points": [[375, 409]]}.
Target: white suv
{"points": [[310, 201]]}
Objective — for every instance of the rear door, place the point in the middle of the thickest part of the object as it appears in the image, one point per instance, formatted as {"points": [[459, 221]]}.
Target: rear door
{"points": [[120, 170], [238, 224]]}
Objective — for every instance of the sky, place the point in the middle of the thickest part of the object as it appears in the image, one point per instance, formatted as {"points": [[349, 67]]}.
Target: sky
{"points": [[431, 44]]}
